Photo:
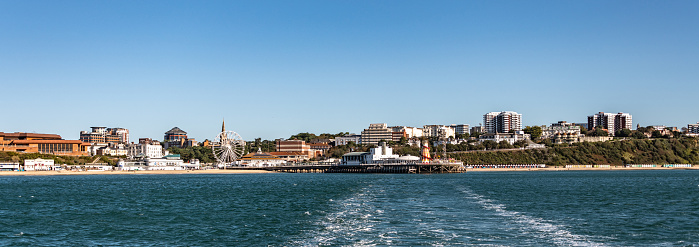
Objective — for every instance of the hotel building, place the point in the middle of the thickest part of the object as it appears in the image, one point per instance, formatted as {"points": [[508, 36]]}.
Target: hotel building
{"points": [[376, 133]]}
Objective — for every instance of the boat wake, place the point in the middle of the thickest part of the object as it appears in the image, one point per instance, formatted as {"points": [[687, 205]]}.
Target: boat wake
{"points": [[534, 227], [349, 223]]}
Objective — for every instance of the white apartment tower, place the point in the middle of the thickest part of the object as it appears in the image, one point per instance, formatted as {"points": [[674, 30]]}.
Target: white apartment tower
{"points": [[502, 122], [610, 121]]}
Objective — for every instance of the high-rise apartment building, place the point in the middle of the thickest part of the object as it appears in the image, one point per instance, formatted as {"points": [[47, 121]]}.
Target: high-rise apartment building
{"points": [[502, 122], [105, 135], [610, 121], [376, 133], [693, 128]]}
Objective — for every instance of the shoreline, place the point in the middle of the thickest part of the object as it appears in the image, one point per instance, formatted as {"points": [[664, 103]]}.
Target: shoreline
{"points": [[252, 171], [54, 173], [577, 169]]}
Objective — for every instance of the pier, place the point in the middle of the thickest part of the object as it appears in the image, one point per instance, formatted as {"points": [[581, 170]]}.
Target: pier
{"points": [[416, 168]]}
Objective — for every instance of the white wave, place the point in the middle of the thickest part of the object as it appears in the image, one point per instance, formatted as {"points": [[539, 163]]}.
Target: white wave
{"points": [[349, 224], [534, 226]]}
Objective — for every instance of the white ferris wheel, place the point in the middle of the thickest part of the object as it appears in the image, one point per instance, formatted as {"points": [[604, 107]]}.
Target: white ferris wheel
{"points": [[228, 147]]}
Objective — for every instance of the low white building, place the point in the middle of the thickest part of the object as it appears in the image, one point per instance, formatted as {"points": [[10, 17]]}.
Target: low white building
{"points": [[38, 165], [113, 150], [9, 166], [168, 163], [98, 167], [409, 132], [509, 137], [193, 164], [379, 154], [562, 128], [149, 149], [344, 140], [260, 159], [441, 131]]}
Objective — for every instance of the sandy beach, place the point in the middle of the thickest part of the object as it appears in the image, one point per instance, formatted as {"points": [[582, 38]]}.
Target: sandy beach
{"points": [[47, 173]]}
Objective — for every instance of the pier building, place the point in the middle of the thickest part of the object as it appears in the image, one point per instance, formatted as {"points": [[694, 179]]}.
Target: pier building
{"points": [[260, 159]]}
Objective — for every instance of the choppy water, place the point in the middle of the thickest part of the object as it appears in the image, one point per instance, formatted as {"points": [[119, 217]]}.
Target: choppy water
{"points": [[580, 208]]}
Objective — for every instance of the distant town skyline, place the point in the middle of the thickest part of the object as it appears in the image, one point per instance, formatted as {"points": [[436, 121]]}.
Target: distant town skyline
{"points": [[275, 68]]}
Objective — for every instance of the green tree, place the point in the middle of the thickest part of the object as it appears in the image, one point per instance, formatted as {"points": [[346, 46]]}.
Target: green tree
{"points": [[403, 141], [504, 145], [623, 133], [534, 131], [656, 134], [462, 136], [583, 130], [598, 131], [638, 135], [490, 145]]}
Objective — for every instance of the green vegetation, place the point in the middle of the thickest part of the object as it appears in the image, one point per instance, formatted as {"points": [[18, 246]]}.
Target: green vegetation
{"points": [[534, 131], [68, 160], [645, 151], [310, 136], [264, 145], [203, 154], [338, 151]]}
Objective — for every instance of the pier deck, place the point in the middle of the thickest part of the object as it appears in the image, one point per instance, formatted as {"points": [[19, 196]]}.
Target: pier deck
{"points": [[418, 168]]}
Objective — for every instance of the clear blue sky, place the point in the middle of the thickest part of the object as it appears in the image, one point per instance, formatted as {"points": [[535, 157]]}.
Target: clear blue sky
{"points": [[276, 68]]}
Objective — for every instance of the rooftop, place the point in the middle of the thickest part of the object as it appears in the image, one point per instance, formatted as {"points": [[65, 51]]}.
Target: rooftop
{"points": [[176, 131]]}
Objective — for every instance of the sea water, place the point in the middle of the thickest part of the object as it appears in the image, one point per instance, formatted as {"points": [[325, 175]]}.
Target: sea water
{"points": [[553, 208]]}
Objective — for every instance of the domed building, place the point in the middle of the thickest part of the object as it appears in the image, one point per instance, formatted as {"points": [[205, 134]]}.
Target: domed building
{"points": [[177, 137]]}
